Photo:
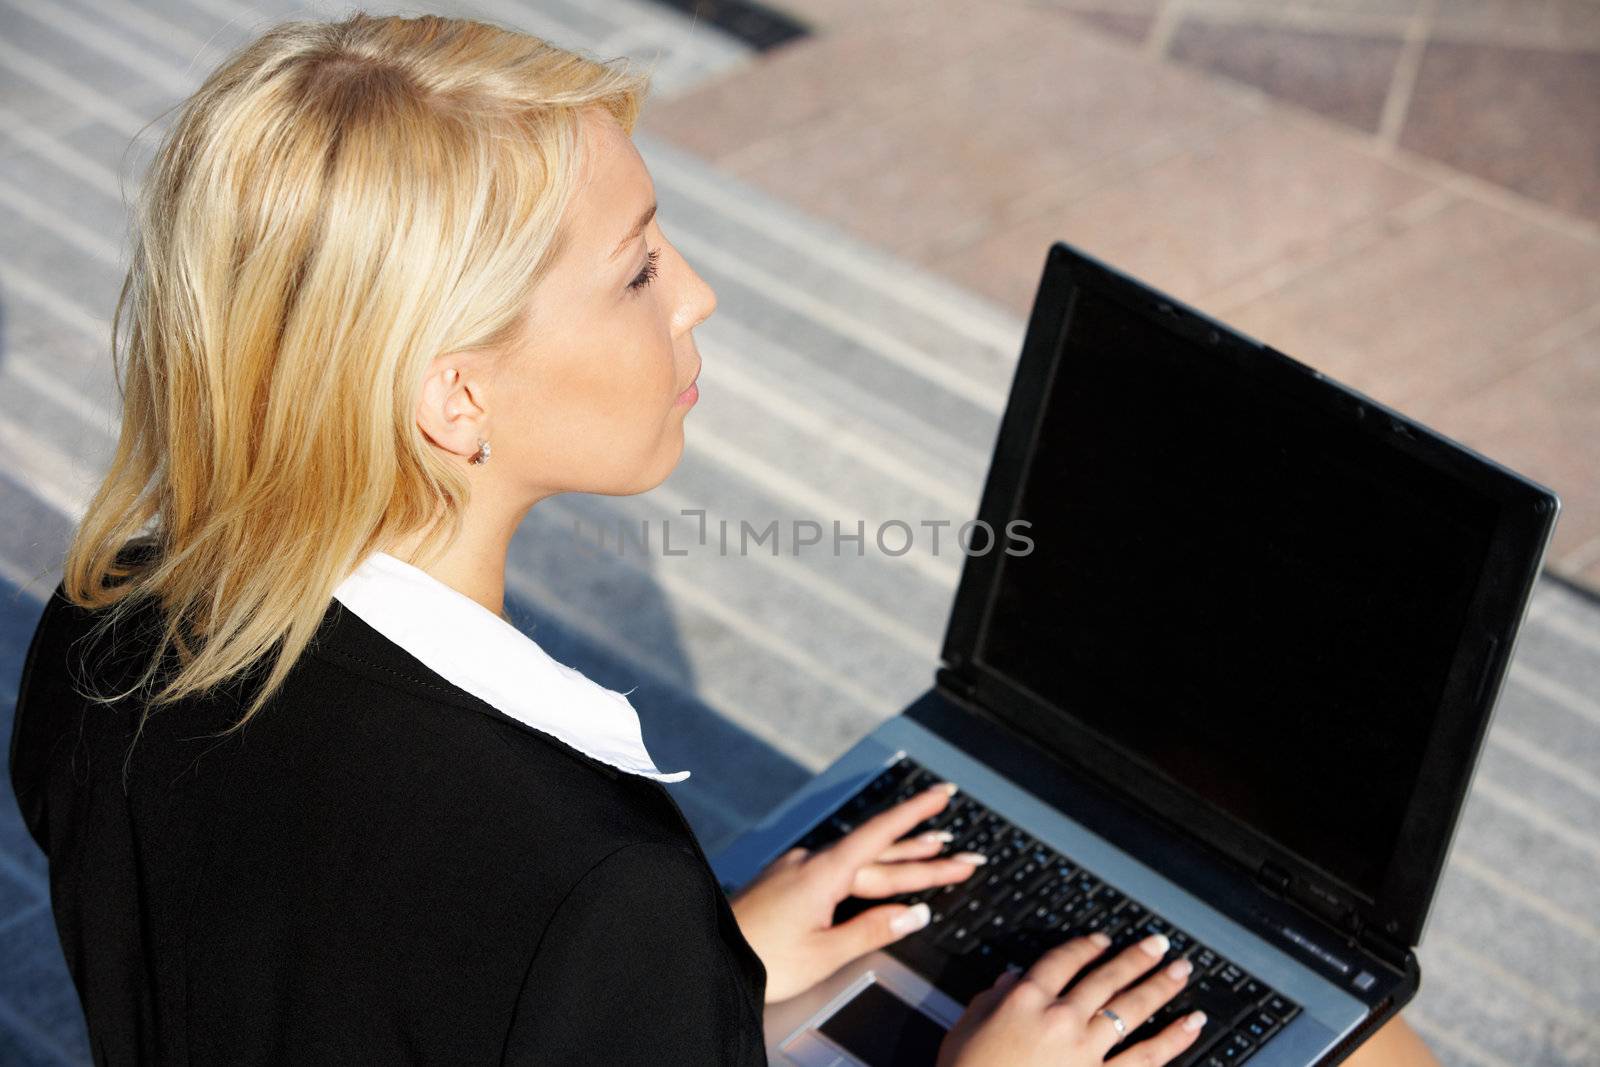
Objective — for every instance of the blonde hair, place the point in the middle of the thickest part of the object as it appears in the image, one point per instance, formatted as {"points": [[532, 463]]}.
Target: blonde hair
{"points": [[339, 203]]}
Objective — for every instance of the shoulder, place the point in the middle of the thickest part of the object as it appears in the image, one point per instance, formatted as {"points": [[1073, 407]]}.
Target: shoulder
{"points": [[121, 632], [660, 882]]}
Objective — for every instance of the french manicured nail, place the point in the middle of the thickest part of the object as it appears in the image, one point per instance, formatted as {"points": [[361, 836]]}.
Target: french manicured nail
{"points": [[1180, 969], [977, 859], [949, 787], [913, 918], [1195, 1021], [939, 835], [1156, 945], [1100, 939]]}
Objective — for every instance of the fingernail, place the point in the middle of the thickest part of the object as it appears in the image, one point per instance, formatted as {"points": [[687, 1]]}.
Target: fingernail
{"points": [[1195, 1021], [1180, 969], [939, 835], [977, 859], [1008, 976], [950, 787], [913, 918], [1156, 945], [1100, 939]]}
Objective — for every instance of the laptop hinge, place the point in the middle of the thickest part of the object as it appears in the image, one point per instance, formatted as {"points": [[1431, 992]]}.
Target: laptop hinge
{"points": [[1273, 878], [1381, 947], [1330, 909], [1325, 906], [955, 682]]}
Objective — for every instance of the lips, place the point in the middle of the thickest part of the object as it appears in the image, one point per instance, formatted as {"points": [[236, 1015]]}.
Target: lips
{"points": [[692, 390]]}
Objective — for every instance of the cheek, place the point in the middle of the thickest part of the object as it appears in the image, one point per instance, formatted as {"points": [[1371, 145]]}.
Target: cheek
{"points": [[607, 417]]}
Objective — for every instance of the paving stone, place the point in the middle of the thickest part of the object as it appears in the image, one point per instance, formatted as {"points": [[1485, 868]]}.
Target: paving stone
{"points": [[1131, 25], [1523, 118], [1447, 302], [1202, 219], [1343, 76]]}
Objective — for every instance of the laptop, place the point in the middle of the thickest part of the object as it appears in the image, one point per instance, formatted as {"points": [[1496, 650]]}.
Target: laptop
{"points": [[1233, 692]]}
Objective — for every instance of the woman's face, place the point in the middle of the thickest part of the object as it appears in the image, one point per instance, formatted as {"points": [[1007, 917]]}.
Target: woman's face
{"points": [[593, 397]]}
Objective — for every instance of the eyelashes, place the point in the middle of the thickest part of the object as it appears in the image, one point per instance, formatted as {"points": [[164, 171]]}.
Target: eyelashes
{"points": [[647, 275]]}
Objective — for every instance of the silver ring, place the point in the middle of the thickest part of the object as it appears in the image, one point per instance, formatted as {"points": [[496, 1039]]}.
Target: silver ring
{"points": [[1116, 1020]]}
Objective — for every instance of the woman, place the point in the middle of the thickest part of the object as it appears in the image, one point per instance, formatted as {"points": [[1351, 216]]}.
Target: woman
{"points": [[307, 796]]}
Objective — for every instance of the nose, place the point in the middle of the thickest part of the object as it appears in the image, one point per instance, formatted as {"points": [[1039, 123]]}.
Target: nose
{"points": [[698, 299]]}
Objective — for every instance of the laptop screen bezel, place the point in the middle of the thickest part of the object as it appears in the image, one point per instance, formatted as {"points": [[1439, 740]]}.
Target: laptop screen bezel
{"points": [[1512, 563]]}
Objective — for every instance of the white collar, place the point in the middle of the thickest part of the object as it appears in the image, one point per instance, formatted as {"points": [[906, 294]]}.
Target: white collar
{"points": [[477, 650]]}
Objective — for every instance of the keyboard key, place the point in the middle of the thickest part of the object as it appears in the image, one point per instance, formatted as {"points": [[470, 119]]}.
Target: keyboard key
{"points": [[1115, 925], [1259, 1026], [961, 935], [1124, 937], [945, 901], [1066, 897], [1236, 1049], [1021, 842], [974, 841], [1219, 1001], [994, 884], [1281, 1007], [1027, 875]]}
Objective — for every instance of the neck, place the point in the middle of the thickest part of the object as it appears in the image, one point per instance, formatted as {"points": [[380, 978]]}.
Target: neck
{"points": [[475, 564]]}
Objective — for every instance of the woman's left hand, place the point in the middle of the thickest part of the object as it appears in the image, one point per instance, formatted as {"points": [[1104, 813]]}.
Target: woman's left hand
{"points": [[786, 913]]}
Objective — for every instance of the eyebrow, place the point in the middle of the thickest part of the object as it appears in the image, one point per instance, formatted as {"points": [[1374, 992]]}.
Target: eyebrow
{"points": [[638, 228]]}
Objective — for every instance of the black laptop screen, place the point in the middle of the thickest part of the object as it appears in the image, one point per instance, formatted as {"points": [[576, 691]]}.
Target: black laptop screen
{"points": [[1244, 592]]}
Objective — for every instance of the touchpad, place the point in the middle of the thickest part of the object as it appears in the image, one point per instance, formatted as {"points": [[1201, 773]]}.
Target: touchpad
{"points": [[881, 1030]]}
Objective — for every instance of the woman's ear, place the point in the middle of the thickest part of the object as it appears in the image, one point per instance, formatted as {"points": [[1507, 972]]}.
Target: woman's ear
{"points": [[450, 410]]}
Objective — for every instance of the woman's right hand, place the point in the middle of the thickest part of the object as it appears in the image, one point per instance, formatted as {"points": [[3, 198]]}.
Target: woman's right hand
{"points": [[1024, 1020]]}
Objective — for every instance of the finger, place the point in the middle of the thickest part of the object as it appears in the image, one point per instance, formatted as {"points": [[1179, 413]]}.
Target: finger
{"points": [[907, 876], [875, 928], [1101, 984], [862, 845], [981, 1007], [1052, 971], [984, 1002], [1165, 1046], [1135, 1005], [917, 848]]}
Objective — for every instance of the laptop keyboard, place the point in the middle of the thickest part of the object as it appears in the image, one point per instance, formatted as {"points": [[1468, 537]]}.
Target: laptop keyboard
{"points": [[1028, 898]]}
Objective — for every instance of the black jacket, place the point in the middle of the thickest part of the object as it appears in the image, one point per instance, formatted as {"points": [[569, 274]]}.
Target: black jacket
{"points": [[380, 869]]}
